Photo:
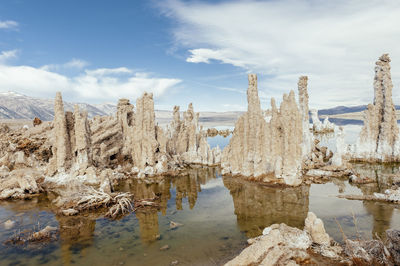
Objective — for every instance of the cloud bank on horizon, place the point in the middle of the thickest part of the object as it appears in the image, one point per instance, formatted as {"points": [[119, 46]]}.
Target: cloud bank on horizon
{"points": [[101, 85], [335, 43]]}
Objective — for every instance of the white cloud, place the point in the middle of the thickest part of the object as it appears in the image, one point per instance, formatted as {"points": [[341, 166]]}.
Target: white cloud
{"points": [[108, 71], [98, 85], [77, 64], [8, 24], [335, 43], [6, 55]]}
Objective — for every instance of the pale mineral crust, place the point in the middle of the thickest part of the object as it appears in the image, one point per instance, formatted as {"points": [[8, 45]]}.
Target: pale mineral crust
{"points": [[341, 148], [379, 138], [281, 244], [62, 146], [71, 140], [321, 127], [266, 150], [188, 142], [83, 145], [107, 140], [303, 106], [147, 139], [131, 139]]}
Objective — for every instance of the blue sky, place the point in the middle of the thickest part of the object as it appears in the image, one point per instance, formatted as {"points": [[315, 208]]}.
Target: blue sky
{"points": [[196, 51]]}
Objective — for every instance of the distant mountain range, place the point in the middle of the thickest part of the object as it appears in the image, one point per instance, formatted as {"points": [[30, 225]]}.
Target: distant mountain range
{"points": [[344, 110], [18, 106]]}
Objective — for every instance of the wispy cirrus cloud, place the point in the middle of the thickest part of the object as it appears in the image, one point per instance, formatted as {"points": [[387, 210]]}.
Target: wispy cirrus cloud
{"points": [[8, 24], [335, 43], [7, 55], [74, 63]]}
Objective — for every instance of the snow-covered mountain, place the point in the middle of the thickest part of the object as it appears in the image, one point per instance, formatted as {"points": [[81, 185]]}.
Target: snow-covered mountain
{"points": [[18, 106]]}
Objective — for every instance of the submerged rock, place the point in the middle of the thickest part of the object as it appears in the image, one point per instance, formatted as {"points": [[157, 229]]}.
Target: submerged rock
{"points": [[165, 247], [173, 225], [69, 212], [9, 224], [47, 234]]}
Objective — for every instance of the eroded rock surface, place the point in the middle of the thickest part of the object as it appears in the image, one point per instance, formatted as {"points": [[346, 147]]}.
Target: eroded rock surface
{"points": [[266, 150], [308, 140], [284, 245], [321, 127], [379, 138], [187, 140]]}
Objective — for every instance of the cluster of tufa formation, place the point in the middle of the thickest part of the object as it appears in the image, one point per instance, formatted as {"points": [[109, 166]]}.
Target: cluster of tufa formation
{"points": [[188, 142], [131, 139], [379, 140], [79, 158], [321, 127], [271, 149], [71, 140]]}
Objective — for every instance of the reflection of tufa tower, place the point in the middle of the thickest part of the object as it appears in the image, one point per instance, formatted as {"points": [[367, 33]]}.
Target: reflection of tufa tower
{"points": [[148, 224], [382, 215], [381, 212], [148, 217], [257, 207], [189, 185], [74, 231], [186, 186]]}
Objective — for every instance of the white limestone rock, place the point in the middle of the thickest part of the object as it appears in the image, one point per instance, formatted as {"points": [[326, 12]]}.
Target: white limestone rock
{"points": [[379, 138], [262, 149], [341, 148], [187, 140], [315, 227]]}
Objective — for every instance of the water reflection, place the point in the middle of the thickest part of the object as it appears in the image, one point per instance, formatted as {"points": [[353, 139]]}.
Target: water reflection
{"points": [[381, 217], [257, 206], [385, 176], [218, 213], [186, 186], [148, 224], [76, 233]]}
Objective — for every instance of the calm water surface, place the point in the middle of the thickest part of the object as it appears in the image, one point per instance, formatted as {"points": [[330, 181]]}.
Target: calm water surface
{"points": [[218, 215]]}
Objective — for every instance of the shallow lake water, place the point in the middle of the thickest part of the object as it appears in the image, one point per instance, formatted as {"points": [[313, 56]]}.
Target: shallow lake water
{"points": [[218, 214]]}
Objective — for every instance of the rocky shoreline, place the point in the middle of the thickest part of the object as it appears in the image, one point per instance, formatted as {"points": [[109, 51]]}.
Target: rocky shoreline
{"points": [[284, 245]]}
